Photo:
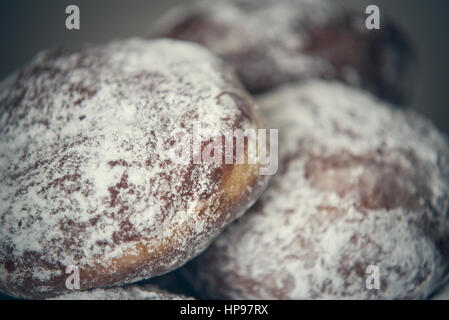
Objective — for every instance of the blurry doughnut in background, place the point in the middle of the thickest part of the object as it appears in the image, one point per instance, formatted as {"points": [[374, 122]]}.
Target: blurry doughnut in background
{"points": [[271, 42]]}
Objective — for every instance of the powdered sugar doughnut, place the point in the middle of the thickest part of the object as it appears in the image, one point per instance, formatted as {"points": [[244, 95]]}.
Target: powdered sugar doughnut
{"points": [[271, 42], [131, 292], [360, 185], [86, 174]]}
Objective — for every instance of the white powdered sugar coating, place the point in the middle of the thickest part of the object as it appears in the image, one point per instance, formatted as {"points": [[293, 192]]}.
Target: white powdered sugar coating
{"points": [[85, 170], [131, 292], [276, 27], [359, 184]]}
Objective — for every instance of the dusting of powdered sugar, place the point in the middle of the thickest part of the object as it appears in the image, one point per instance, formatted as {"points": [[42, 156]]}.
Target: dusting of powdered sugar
{"points": [[131, 292], [85, 142], [360, 184]]}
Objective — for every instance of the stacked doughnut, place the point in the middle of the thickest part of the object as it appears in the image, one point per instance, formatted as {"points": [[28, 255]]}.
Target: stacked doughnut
{"points": [[89, 177]]}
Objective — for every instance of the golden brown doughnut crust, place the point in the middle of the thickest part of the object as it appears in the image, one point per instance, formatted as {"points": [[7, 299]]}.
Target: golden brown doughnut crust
{"points": [[86, 178]]}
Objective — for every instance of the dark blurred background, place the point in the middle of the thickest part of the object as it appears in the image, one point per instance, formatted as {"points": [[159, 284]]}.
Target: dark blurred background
{"points": [[28, 26]]}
